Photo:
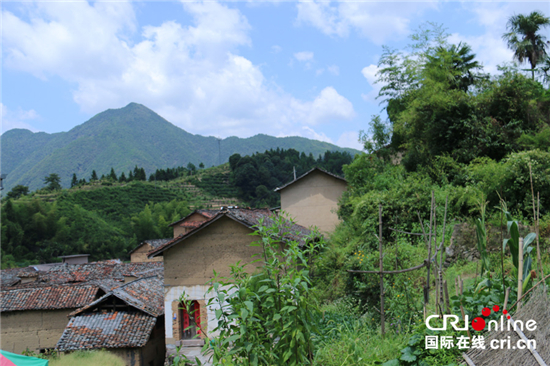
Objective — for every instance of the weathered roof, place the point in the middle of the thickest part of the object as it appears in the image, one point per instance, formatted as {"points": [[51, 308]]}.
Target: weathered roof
{"points": [[107, 330], [250, 218], [47, 297], [307, 173], [155, 243], [96, 270], [537, 309], [145, 294], [206, 213]]}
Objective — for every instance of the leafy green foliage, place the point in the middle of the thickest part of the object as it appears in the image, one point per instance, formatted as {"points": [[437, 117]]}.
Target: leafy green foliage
{"points": [[267, 318], [378, 136], [105, 223], [17, 192], [52, 182], [258, 175]]}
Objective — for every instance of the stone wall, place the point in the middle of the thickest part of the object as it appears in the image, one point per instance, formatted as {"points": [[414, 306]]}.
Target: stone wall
{"points": [[464, 241]]}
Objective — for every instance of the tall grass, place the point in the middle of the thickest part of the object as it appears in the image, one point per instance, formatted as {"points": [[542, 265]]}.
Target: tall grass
{"points": [[88, 358]]}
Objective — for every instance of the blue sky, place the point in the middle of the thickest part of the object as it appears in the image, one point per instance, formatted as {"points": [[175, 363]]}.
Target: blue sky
{"points": [[223, 68]]}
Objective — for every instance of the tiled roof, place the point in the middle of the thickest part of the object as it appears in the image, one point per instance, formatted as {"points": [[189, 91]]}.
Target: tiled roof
{"points": [[47, 297], [206, 213], [308, 172], [249, 217], [107, 330], [96, 270], [145, 294], [155, 243]]}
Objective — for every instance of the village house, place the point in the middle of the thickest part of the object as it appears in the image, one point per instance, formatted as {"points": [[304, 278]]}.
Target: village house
{"points": [[35, 317], [35, 304], [191, 258], [128, 321], [189, 222], [312, 199], [139, 253]]}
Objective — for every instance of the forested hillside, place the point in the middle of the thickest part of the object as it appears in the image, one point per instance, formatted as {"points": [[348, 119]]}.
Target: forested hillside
{"points": [[107, 216], [480, 140], [122, 138]]}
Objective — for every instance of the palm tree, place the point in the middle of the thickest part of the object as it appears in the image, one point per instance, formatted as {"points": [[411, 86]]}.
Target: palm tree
{"points": [[456, 64], [522, 38]]}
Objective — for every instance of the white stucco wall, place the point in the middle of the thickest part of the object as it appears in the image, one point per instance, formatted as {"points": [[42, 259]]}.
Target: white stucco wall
{"points": [[197, 292]]}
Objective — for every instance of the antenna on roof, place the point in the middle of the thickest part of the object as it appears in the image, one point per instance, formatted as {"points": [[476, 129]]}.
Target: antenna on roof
{"points": [[294, 171]]}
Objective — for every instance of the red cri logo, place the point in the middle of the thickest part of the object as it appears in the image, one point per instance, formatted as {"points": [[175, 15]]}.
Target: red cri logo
{"points": [[479, 323]]}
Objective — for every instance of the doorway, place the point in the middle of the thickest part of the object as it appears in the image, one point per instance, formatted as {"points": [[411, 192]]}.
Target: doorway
{"points": [[190, 323]]}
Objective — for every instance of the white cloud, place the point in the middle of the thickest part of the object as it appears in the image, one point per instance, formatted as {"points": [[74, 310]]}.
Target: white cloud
{"points": [[350, 139], [369, 72], [377, 21], [191, 75], [310, 133], [17, 118], [327, 106], [276, 49], [334, 70], [304, 56]]}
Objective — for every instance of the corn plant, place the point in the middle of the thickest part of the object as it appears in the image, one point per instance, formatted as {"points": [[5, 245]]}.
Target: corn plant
{"points": [[513, 243], [267, 318]]}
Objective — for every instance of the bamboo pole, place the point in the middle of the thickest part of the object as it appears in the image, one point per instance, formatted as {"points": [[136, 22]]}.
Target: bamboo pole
{"points": [[536, 223], [537, 232], [437, 295], [506, 295], [427, 297], [462, 309], [533, 351], [501, 248], [382, 315], [520, 271], [447, 302], [441, 248], [531, 289]]}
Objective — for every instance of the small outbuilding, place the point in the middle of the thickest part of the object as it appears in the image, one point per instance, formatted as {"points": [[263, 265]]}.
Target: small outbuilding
{"points": [[128, 321], [312, 199]]}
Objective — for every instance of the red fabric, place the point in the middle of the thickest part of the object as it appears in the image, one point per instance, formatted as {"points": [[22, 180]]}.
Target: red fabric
{"points": [[5, 362]]}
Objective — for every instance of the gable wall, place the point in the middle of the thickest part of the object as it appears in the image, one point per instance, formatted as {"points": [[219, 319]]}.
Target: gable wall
{"points": [[215, 247], [313, 200], [140, 254], [178, 229]]}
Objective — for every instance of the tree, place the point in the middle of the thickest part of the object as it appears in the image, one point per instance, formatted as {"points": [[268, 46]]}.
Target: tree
{"points": [[18, 191], [523, 39], [53, 182], [112, 175], [94, 176], [201, 166], [455, 65], [74, 181], [379, 137], [192, 168], [122, 177]]}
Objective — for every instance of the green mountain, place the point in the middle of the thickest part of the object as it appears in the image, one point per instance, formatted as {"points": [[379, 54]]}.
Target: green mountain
{"points": [[123, 138]]}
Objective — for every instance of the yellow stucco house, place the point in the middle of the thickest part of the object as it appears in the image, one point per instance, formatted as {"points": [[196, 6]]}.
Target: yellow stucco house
{"points": [[312, 199]]}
